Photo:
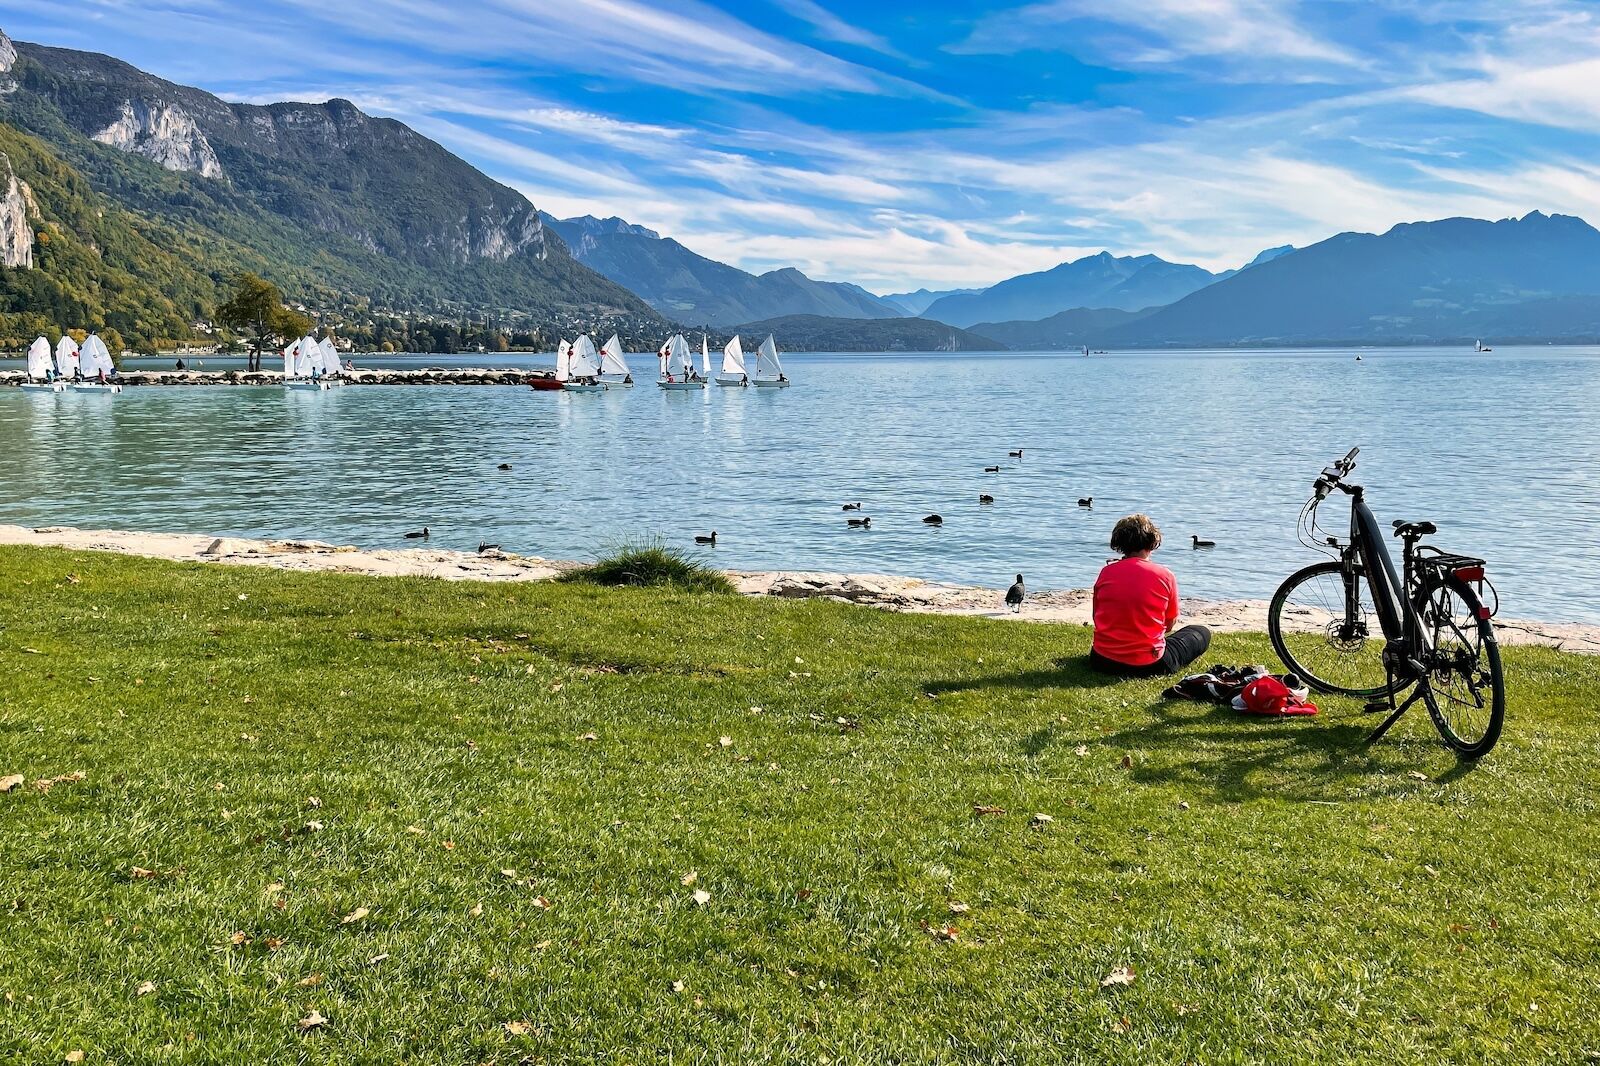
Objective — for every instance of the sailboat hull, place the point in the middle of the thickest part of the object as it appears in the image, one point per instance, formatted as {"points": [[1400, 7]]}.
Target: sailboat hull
{"points": [[617, 383], [681, 386], [44, 386], [771, 384], [308, 386], [732, 380], [110, 388], [573, 386]]}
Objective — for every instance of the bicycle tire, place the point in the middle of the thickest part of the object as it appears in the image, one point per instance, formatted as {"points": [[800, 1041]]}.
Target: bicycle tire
{"points": [[1487, 653], [1349, 679]]}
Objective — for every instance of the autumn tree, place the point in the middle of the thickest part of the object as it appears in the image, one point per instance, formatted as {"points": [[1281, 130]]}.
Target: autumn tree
{"points": [[256, 312]]}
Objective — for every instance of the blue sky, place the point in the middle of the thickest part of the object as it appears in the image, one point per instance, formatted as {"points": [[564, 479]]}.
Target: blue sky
{"points": [[899, 144]]}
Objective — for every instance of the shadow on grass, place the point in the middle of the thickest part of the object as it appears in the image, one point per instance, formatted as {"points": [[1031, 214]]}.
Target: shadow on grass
{"points": [[1231, 756]]}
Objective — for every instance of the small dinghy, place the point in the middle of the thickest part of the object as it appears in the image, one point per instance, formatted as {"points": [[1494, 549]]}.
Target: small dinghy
{"points": [[332, 370], [583, 367], [94, 358], [613, 368], [733, 370], [302, 366], [677, 367], [41, 372], [769, 372]]}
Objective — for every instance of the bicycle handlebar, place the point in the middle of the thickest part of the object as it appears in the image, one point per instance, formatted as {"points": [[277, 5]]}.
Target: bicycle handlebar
{"points": [[1335, 473]]}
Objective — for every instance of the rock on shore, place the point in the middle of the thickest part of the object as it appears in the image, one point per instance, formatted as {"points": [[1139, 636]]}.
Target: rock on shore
{"points": [[424, 376]]}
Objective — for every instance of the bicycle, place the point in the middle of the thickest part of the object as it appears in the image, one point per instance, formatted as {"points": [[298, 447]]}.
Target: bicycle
{"points": [[1434, 634]]}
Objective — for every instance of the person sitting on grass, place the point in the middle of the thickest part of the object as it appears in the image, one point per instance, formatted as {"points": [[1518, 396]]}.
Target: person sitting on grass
{"points": [[1136, 610]]}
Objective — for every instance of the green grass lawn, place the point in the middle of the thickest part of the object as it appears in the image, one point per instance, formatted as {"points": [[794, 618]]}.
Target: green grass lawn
{"points": [[467, 824]]}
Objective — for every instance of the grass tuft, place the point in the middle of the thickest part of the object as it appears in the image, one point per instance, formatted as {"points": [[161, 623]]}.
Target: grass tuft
{"points": [[652, 564]]}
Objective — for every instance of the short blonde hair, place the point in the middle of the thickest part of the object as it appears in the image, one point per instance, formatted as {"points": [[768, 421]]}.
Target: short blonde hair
{"points": [[1134, 534]]}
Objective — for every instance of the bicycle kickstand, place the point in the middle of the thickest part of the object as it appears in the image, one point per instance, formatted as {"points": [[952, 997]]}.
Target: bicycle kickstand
{"points": [[1394, 716]]}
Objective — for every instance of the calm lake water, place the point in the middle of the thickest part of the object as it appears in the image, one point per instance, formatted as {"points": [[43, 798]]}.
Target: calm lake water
{"points": [[1502, 450]]}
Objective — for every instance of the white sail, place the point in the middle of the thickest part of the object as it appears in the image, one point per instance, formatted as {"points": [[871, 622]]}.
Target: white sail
{"points": [[288, 360], [705, 356], [680, 360], [66, 356], [585, 360], [564, 361], [767, 366], [39, 359], [611, 361], [94, 356], [330, 357], [733, 358], [307, 357]]}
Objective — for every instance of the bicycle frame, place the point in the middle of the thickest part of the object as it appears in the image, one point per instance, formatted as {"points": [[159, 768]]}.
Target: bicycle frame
{"points": [[1395, 612]]}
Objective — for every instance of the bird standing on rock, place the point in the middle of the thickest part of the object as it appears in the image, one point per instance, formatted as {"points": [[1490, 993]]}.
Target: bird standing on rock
{"points": [[1015, 595], [421, 534], [482, 548]]}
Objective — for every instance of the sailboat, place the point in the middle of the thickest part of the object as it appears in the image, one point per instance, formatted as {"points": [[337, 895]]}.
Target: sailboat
{"points": [[1481, 347], [332, 370], [733, 371], [66, 359], [677, 366], [583, 367], [613, 368], [94, 358], [41, 373], [769, 372], [302, 366]]}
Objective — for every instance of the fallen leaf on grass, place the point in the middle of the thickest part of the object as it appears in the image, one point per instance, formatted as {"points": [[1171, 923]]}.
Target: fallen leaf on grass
{"points": [[678, 987], [74, 1056], [313, 802], [139, 873], [689, 878], [542, 903], [313, 1020], [11, 781], [1122, 1025], [354, 916], [312, 827], [590, 736], [239, 940], [511, 874], [1127, 762], [45, 784], [1120, 977], [1418, 775], [957, 907], [416, 830], [377, 959], [726, 742], [519, 1028], [701, 897], [145, 988], [944, 934], [1040, 820], [448, 845], [311, 981], [1430, 870], [1081, 750], [475, 911], [984, 808], [274, 888]]}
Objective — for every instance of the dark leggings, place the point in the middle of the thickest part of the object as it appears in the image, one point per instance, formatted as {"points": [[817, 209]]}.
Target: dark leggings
{"points": [[1183, 648]]}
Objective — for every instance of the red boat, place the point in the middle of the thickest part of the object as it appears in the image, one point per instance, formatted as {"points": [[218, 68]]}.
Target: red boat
{"points": [[544, 384]]}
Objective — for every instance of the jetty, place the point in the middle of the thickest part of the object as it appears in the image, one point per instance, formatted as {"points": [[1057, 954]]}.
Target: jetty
{"points": [[420, 376]]}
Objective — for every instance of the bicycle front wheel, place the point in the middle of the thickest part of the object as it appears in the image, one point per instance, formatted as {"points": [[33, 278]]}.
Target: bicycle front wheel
{"points": [[1464, 689], [1332, 639]]}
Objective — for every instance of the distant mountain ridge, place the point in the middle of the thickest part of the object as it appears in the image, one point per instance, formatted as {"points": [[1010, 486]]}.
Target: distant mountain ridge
{"points": [[915, 303], [1419, 282], [1126, 283], [334, 205], [695, 290], [817, 333]]}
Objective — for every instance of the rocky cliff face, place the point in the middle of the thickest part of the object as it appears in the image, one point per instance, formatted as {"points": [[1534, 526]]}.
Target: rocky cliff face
{"points": [[8, 53], [16, 232], [164, 134]]}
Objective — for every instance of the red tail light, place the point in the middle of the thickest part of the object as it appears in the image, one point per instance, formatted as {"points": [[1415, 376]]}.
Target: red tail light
{"points": [[1485, 614], [1470, 573]]}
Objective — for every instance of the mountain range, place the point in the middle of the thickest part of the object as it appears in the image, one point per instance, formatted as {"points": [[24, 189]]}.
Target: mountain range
{"points": [[692, 289], [323, 199], [1127, 283]]}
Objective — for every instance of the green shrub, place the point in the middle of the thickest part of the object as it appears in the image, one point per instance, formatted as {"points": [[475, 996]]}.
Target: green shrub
{"points": [[652, 564]]}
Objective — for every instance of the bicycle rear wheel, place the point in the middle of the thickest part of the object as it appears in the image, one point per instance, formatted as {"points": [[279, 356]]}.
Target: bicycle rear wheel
{"points": [[1315, 634], [1464, 689]]}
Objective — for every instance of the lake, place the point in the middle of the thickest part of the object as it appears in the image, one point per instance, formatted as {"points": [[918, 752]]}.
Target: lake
{"points": [[1500, 449]]}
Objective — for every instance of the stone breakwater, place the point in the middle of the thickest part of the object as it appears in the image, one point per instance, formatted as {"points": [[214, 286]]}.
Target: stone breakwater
{"points": [[424, 376], [882, 591]]}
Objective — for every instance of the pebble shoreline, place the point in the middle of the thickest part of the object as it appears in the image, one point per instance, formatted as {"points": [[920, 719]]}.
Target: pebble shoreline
{"points": [[886, 592]]}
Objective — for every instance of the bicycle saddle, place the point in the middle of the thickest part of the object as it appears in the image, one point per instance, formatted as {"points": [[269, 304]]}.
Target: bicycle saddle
{"points": [[1414, 529]]}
